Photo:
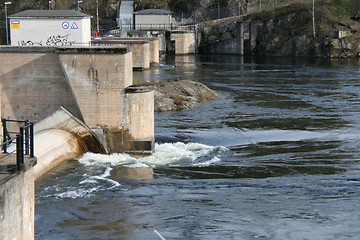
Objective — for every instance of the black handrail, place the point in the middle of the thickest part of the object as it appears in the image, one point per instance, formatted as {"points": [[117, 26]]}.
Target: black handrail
{"points": [[24, 140]]}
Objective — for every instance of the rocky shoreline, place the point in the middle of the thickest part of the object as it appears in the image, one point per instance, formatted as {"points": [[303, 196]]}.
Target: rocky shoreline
{"points": [[286, 32], [181, 94]]}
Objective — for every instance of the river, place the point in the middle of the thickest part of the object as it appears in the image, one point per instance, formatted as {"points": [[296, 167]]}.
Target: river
{"points": [[275, 157]]}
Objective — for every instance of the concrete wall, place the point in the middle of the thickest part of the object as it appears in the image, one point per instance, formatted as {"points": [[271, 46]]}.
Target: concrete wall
{"points": [[229, 38], [184, 42], [33, 84], [335, 34], [50, 32], [89, 82], [17, 205], [153, 46], [98, 81], [143, 55]]}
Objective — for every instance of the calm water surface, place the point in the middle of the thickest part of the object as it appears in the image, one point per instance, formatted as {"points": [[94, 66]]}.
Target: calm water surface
{"points": [[276, 157]]}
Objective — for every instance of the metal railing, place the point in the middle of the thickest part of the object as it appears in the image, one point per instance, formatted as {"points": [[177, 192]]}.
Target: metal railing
{"points": [[154, 27], [24, 140]]}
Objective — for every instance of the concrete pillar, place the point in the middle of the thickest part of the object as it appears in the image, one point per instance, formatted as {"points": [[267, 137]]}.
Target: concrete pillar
{"points": [[99, 80], [139, 121], [17, 205], [241, 37], [185, 42], [141, 55], [154, 52]]}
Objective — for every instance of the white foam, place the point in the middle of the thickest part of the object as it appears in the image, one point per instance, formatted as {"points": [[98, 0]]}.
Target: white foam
{"points": [[233, 137], [208, 163], [76, 193], [99, 166], [165, 154]]}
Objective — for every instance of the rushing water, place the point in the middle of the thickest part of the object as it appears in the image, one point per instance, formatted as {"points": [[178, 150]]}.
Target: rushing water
{"points": [[276, 157]]}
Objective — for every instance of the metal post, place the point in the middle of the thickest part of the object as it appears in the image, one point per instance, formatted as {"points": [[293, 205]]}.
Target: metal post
{"points": [[21, 145], [6, 23], [27, 138], [18, 152], [31, 140], [4, 136], [97, 16], [49, 5]]}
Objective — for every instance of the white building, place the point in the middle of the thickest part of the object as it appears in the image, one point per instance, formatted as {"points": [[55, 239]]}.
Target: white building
{"points": [[153, 19], [50, 28]]}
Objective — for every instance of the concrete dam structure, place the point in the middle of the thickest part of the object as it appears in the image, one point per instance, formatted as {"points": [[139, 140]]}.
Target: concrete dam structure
{"points": [[81, 100], [145, 50], [93, 83]]}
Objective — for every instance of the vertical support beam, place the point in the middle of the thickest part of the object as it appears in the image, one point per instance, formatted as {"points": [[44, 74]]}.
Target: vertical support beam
{"points": [[18, 152], [31, 140], [313, 17], [27, 138], [4, 135], [21, 145]]}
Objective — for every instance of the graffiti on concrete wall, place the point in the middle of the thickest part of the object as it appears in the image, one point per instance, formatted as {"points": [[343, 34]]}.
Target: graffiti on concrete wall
{"points": [[59, 41], [29, 43], [51, 41]]}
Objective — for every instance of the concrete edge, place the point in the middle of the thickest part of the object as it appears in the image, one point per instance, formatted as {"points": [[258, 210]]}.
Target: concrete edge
{"points": [[68, 50]]}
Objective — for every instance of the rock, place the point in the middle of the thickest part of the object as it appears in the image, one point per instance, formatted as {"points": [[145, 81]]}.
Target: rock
{"points": [[223, 28], [183, 94], [286, 31], [207, 31], [345, 47], [213, 39], [163, 102], [226, 36], [232, 26]]}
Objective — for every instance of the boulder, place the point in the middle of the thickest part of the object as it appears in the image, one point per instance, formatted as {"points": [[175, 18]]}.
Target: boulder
{"points": [[181, 94]]}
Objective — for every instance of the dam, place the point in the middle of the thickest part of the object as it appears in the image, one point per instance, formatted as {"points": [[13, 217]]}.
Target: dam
{"points": [[93, 83], [79, 96], [81, 99]]}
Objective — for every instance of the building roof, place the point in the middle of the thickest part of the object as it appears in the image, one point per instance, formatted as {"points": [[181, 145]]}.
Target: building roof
{"points": [[50, 14], [153, 12]]}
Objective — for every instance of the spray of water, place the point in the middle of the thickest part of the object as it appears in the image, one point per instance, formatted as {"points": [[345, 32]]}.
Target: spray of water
{"points": [[96, 174], [165, 154]]}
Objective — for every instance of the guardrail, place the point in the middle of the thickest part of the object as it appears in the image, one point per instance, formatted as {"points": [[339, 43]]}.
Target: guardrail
{"points": [[24, 140], [150, 27]]}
